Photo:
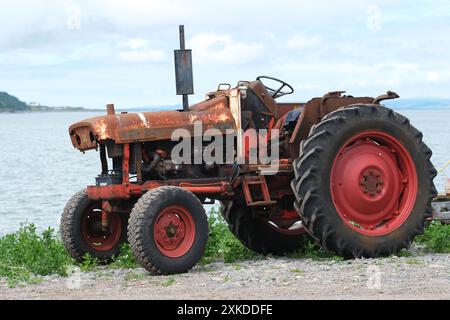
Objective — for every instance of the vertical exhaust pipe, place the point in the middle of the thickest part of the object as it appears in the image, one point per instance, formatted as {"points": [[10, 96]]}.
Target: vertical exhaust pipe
{"points": [[183, 71], [183, 47]]}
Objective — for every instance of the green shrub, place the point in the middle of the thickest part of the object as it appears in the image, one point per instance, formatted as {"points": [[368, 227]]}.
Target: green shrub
{"points": [[125, 259], [312, 250], [24, 255], [436, 238], [89, 263], [222, 244]]}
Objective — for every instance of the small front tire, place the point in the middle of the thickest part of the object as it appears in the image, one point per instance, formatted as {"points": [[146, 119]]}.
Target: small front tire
{"points": [[81, 231], [168, 230]]}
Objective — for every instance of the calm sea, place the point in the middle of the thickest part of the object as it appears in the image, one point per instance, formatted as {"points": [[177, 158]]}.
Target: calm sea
{"points": [[40, 170]]}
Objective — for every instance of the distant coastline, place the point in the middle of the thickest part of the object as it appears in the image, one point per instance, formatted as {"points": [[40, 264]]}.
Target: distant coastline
{"points": [[11, 104], [50, 109]]}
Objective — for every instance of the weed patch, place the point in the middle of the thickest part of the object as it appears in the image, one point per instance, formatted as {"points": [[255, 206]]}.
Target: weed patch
{"points": [[169, 282], [222, 244], [125, 260], [25, 255], [436, 238], [312, 250]]}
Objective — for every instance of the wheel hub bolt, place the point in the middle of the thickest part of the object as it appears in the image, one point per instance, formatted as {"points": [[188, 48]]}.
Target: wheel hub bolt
{"points": [[371, 182], [171, 231]]}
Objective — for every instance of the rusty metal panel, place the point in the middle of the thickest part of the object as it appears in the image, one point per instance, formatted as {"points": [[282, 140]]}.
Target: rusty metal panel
{"points": [[183, 72], [151, 126], [283, 108], [126, 191], [83, 138], [235, 107], [315, 110]]}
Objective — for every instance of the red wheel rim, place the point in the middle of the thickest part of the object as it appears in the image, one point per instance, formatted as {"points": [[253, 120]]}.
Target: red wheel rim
{"points": [[96, 238], [374, 183], [174, 231]]}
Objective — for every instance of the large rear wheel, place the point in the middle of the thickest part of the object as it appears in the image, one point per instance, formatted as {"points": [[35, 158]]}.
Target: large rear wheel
{"points": [[364, 182]]}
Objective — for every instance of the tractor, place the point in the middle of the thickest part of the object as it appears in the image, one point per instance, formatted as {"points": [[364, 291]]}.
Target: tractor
{"points": [[351, 174]]}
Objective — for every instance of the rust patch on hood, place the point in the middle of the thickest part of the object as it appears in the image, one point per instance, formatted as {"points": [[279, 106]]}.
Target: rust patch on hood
{"points": [[150, 126]]}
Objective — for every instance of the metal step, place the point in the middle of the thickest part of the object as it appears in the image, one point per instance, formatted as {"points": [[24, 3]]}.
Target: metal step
{"points": [[261, 203], [256, 181]]}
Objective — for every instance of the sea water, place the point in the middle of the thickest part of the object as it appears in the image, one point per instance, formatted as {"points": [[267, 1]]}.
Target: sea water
{"points": [[40, 170]]}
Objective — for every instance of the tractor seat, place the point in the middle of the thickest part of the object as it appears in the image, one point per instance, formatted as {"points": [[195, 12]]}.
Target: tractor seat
{"points": [[257, 107]]}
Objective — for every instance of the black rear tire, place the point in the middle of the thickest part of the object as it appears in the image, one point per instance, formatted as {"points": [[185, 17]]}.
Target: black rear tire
{"points": [[148, 249], [313, 170], [257, 234]]}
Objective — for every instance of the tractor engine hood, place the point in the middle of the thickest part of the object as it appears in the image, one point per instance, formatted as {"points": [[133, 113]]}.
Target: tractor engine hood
{"points": [[151, 126]]}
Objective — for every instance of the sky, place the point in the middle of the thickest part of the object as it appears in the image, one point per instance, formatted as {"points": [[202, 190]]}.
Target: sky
{"points": [[93, 52]]}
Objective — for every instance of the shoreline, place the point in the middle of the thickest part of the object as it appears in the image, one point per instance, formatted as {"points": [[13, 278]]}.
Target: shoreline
{"points": [[51, 111]]}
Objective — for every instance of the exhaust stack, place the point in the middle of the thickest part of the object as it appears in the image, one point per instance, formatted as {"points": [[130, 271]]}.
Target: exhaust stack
{"points": [[183, 71]]}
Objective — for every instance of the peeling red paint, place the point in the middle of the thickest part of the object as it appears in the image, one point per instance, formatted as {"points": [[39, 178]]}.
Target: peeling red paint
{"points": [[150, 126]]}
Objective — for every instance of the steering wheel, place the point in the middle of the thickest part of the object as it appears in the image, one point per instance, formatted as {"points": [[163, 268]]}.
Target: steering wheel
{"points": [[279, 92]]}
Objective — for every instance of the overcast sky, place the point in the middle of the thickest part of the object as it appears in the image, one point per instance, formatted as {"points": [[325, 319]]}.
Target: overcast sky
{"points": [[89, 53]]}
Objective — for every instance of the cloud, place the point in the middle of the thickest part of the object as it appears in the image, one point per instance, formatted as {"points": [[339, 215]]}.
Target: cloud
{"points": [[142, 56], [223, 49], [358, 78], [374, 16], [302, 43], [136, 44], [139, 50], [75, 45], [433, 76]]}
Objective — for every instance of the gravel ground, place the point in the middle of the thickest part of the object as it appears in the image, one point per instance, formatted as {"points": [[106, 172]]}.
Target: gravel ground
{"points": [[426, 276]]}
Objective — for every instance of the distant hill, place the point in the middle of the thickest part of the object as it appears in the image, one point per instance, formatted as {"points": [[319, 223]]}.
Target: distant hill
{"points": [[9, 103]]}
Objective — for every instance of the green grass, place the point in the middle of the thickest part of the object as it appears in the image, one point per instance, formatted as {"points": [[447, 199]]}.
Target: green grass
{"points": [[135, 276], [169, 282], [436, 238], [222, 245], [26, 256], [312, 250], [404, 253], [296, 271], [413, 261], [125, 260]]}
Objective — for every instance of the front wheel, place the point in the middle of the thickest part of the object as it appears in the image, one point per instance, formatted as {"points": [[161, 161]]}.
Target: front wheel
{"points": [[364, 182], [168, 230], [82, 232]]}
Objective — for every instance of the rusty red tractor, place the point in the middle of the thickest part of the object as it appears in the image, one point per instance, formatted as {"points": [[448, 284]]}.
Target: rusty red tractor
{"points": [[351, 173]]}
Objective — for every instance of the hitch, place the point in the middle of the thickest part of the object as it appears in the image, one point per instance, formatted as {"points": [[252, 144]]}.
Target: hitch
{"points": [[441, 206], [441, 211]]}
